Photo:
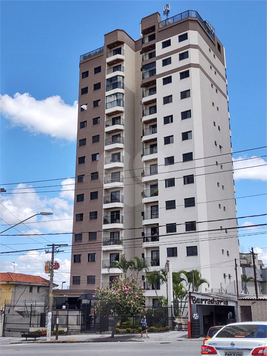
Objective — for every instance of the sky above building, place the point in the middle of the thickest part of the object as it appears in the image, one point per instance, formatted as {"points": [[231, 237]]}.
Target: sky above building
{"points": [[41, 44]]}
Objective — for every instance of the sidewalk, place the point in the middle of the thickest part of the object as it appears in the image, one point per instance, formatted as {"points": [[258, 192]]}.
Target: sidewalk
{"points": [[153, 337]]}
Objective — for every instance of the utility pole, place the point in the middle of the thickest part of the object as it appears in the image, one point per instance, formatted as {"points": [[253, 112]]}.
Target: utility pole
{"points": [[168, 269], [50, 305], [236, 280], [255, 274]]}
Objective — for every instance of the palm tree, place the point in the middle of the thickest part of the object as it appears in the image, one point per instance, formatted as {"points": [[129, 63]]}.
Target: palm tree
{"points": [[139, 265], [179, 291], [156, 278], [245, 281], [123, 264], [194, 279]]}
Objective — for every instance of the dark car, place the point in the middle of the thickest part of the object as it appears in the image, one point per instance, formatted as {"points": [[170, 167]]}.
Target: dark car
{"points": [[211, 332]]}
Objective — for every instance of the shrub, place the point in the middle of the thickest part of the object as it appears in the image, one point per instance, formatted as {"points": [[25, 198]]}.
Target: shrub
{"points": [[126, 324], [129, 330], [152, 329]]}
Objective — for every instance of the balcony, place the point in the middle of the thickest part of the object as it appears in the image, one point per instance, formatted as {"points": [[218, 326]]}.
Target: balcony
{"points": [[149, 133], [113, 222], [110, 244], [115, 106], [149, 173], [149, 153], [152, 261], [149, 114], [113, 181], [116, 85], [149, 96], [112, 201], [118, 68], [114, 124], [115, 56], [150, 195], [151, 238], [148, 56], [149, 73], [148, 286], [149, 38], [108, 265], [114, 142]]}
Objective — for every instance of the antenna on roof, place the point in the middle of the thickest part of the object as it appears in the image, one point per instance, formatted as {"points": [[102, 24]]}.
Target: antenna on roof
{"points": [[166, 10]]}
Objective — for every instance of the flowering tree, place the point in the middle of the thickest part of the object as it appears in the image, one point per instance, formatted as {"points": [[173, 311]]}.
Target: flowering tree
{"points": [[122, 298]]}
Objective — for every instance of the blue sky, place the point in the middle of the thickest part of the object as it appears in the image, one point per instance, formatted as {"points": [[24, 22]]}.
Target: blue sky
{"points": [[41, 42]]}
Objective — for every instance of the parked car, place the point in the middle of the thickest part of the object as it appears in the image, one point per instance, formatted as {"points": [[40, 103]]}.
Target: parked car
{"points": [[211, 332], [238, 339]]}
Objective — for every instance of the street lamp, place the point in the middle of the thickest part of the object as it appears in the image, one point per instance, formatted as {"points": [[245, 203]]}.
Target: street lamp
{"points": [[20, 222], [62, 284]]}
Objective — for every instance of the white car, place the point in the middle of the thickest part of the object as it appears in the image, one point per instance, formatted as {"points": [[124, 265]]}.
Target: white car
{"points": [[238, 339]]}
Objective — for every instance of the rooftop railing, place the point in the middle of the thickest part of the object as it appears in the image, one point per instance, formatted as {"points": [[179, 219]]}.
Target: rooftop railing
{"points": [[91, 54], [184, 15]]}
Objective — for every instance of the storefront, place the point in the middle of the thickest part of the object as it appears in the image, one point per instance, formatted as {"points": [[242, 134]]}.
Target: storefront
{"points": [[209, 309]]}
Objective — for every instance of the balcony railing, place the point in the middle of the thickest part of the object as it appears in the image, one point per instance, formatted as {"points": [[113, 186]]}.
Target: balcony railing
{"points": [[152, 261], [150, 111], [113, 179], [112, 86], [190, 13], [113, 122], [151, 215], [110, 242], [111, 159], [149, 286], [119, 68], [150, 55], [148, 38], [108, 199], [109, 219], [151, 238], [108, 264], [149, 73], [112, 104], [149, 151], [93, 53], [149, 92], [150, 171], [146, 193], [114, 140], [150, 131], [116, 51]]}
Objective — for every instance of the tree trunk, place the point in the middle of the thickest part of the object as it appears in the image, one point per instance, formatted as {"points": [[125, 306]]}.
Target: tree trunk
{"points": [[116, 319]]}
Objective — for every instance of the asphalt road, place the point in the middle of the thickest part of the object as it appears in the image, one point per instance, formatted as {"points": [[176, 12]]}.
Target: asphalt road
{"points": [[146, 348]]}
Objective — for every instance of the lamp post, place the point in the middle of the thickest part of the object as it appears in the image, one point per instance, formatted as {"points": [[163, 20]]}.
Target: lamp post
{"points": [[22, 221], [62, 284]]}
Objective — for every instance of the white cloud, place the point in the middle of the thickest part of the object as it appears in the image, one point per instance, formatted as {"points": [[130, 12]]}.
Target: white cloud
{"points": [[67, 190], [254, 168], [50, 116], [262, 255], [249, 226]]}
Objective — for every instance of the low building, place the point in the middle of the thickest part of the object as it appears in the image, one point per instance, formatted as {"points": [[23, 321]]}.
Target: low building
{"points": [[247, 272]]}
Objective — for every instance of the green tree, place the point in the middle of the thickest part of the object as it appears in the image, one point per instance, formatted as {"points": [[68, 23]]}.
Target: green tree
{"points": [[179, 291], [139, 265], [156, 278], [123, 298], [123, 264], [245, 280], [194, 279]]}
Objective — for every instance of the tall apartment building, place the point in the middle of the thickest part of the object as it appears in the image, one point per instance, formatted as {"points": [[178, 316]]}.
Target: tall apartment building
{"points": [[154, 168]]}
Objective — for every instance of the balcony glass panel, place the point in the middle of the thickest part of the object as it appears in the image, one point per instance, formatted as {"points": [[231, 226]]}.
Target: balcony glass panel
{"points": [[115, 51]]}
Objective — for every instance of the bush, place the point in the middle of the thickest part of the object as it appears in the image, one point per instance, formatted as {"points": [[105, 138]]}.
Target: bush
{"points": [[152, 329], [127, 324], [129, 330]]}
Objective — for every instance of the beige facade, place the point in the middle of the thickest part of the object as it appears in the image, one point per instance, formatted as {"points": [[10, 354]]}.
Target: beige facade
{"points": [[154, 169]]}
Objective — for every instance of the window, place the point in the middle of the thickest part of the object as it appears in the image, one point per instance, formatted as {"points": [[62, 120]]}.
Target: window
{"points": [[168, 119], [167, 99], [219, 46], [115, 82], [167, 80], [82, 142], [93, 215], [91, 257], [91, 279], [184, 74], [83, 124], [78, 237], [38, 289], [166, 61], [115, 196], [169, 160], [80, 197], [95, 138], [95, 157], [79, 217], [30, 289], [166, 43], [186, 114], [85, 74], [183, 37], [114, 236], [96, 103], [81, 160], [92, 235], [186, 135], [170, 204], [93, 195], [171, 251], [97, 86], [153, 169], [76, 279], [154, 209], [84, 90], [170, 228], [155, 258], [189, 202], [114, 257], [189, 179], [191, 250], [185, 94], [77, 258], [152, 110], [81, 178], [97, 70], [190, 226], [94, 175], [188, 157], [183, 55], [170, 182], [168, 140], [96, 120]]}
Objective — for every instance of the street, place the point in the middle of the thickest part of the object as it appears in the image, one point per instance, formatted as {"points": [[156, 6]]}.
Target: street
{"points": [[142, 348]]}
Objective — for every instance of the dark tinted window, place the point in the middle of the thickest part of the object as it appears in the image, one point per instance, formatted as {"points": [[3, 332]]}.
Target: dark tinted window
{"points": [[166, 61], [186, 114], [191, 251], [168, 119], [166, 43], [171, 227], [167, 80], [171, 251], [83, 124], [183, 55], [184, 74], [183, 37], [85, 74], [244, 330], [84, 90], [97, 70]]}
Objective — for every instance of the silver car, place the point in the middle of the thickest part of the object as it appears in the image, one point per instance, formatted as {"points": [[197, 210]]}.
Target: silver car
{"points": [[238, 339]]}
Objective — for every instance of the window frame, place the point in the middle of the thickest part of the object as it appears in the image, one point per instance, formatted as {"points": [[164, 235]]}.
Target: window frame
{"points": [[172, 252], [169, 182], [170, 204], [193, 249], [166, 61], [171, 228]]}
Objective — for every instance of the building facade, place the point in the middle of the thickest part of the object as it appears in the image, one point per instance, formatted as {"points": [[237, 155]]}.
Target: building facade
{"points": [[154, 174]]}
